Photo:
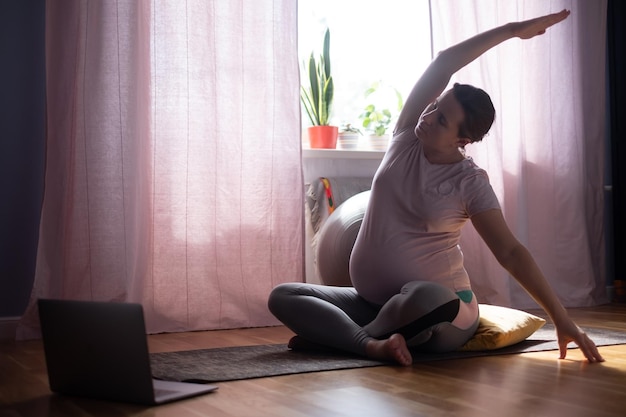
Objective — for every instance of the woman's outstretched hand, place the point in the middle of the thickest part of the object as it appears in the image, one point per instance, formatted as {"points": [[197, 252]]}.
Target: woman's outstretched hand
{"points": [[533, 27], [569, 332]]}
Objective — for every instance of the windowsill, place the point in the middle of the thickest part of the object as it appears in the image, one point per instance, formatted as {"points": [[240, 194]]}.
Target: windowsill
{"points": [[308, 153]]}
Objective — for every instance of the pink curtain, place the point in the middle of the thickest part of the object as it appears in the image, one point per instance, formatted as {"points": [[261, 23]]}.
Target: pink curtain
{"points": [[174, 172], [545, 152]]}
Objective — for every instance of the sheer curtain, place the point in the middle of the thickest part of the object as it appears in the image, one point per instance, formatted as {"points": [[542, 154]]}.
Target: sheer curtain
{"points": [[545, 152], [173, 159]]}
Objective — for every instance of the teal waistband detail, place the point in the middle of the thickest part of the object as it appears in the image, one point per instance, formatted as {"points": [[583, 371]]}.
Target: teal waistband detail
{"points": [[465, 295]]}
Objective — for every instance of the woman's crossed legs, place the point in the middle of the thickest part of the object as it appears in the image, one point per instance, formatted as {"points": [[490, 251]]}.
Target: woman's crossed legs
{"points": [[423, 315]]}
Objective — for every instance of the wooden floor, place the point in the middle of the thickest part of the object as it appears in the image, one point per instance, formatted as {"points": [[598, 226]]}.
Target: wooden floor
{"points": [[533, 384]]}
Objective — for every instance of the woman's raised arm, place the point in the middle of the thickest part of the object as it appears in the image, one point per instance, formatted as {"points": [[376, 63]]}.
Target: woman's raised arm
{"points": [[437, 76]]}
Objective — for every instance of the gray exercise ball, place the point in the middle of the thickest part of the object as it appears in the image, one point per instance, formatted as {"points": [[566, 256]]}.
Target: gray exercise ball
{"points": [[336, 239]]}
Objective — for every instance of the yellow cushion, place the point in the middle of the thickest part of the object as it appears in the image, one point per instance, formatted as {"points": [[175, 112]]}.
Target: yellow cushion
{"points": [[502, 326]]}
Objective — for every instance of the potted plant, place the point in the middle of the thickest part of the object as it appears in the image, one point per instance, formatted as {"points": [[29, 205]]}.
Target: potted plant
{"points": [[349, 137], [377, 120], [317, 98]]}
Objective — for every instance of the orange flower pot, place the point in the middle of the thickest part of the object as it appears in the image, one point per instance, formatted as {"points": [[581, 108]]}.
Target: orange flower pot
{"points": [[323, 136]]}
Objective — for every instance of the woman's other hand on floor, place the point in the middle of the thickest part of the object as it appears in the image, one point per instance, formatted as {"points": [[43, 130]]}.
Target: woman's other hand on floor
{"points": [[570, 332]]}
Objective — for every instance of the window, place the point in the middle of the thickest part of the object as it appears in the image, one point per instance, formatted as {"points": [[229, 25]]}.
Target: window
{"points": [[371, 41]]}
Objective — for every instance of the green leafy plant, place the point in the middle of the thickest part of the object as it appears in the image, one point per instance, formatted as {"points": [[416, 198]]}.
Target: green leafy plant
{"points": [[374, 119], [317, 98]]}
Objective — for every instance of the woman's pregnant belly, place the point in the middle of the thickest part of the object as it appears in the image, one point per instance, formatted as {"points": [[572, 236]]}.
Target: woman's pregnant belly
{"points": [[378, 272]]}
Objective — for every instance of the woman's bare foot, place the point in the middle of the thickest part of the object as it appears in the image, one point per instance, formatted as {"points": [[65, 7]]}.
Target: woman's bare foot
{"points": [[392, 349]]}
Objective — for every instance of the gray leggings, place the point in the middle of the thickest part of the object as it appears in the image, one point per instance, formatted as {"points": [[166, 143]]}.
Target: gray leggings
{"points": [[339, 318]]}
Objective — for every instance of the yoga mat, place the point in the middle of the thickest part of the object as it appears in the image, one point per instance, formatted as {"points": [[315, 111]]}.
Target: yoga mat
{"points": [[244, 362]]}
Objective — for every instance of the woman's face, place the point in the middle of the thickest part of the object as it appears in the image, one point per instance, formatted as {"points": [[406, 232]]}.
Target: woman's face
{"points": [[439, 123]]}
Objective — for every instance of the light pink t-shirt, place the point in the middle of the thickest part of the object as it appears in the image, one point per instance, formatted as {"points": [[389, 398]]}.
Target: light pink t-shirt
{"points": [[413, 222]]}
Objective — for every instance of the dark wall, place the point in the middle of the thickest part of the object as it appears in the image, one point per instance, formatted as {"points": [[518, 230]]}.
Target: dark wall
{"points": [[617, 98], [22, 142]]}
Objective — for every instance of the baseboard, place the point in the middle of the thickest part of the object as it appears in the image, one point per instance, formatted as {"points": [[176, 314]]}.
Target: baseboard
{"points": [[8, 326]]}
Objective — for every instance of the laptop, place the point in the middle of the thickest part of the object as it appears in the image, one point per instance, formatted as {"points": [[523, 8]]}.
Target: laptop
{"points": [[100, 350]]}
